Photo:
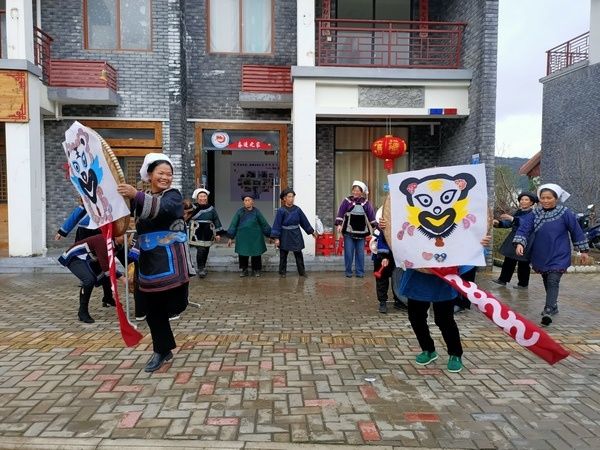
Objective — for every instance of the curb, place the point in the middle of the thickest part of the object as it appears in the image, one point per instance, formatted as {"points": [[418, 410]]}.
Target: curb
{"points": [[179, 444]]}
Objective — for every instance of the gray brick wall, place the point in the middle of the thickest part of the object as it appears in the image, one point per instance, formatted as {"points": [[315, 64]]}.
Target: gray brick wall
{"points": [[326, 209], [424, 147], [475, 134], [571, 134]]}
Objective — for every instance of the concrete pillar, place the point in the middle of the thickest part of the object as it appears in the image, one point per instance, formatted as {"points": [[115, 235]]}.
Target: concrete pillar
{"points": [[19, 29], [305, 152], [305, 11], [594, 32], [24, 151]]}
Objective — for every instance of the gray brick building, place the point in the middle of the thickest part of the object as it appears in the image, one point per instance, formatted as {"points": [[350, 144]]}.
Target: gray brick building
{"points": [[312, 84]]}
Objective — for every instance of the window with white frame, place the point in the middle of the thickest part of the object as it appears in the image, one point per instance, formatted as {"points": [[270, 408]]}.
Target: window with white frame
{"points": [[240, 26], [118, 24]]}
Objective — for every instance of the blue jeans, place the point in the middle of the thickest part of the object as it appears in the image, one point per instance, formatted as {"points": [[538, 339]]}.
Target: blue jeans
{"points": [[551, 284], [354, 249]]}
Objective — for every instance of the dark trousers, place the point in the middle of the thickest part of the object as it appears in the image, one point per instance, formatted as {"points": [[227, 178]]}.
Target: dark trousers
{"points": [[159, 306], [462, 301], [551, 285], [283, 256], [508, 268], [87, 276], [256, 262], [201, 257], [382, 284], [444, 319]]}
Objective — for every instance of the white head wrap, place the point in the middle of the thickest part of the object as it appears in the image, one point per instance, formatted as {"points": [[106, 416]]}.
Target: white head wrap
{"points": [[361, 185], [198, 191], [561, 194], [149, 159]]}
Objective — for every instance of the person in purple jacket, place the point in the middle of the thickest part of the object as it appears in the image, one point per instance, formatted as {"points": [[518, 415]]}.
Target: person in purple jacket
{"points": [[550, 254], [355, 220]]}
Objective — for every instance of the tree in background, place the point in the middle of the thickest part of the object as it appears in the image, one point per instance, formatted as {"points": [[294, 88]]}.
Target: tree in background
{"points": [[506, 190]]}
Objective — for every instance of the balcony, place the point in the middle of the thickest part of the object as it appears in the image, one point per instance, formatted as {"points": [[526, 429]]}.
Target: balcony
{"points": [[267, 87], [389, 44], [69, 81], [82, 82], [568, 53]]}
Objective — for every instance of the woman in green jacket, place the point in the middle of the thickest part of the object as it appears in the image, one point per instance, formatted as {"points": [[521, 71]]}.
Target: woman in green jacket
{"points": [[249, 228]]}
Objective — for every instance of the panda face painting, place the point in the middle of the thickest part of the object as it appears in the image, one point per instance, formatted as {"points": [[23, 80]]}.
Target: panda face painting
{"points": [[437, 203]]}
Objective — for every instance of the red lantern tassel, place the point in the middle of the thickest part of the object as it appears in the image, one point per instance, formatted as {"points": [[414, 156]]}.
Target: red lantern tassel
{"points": [[388, 164]]}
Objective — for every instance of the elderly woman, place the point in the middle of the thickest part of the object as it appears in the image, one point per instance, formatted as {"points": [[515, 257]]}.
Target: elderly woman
{"points": [[249, 228], [355, 219], [511, 260], [286, 232], [163, 273], [204, 228], [550, 251]]}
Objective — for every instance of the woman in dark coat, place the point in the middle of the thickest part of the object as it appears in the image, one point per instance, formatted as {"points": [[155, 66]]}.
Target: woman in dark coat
{"points": [[511, 260], [164, 264], [286, 232]]}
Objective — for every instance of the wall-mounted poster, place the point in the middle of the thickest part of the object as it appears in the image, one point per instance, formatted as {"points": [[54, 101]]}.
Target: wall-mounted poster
{"points": [[439, 216], [13, 96], [254, 178]]}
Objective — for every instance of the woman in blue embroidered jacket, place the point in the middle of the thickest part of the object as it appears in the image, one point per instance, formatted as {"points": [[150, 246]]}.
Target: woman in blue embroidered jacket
{"points": [[204, 227], [354, 217], [286, 232], [550, 254], [163, 271], [511, 260]]}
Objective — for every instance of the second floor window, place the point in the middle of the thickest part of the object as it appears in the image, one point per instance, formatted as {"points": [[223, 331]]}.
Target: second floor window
{"points": [[240, 26], [118, 24]]}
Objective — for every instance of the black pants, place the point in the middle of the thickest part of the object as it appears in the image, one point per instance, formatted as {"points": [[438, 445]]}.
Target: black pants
{"points": [[461, 300], [382, 284], [201, 257], [283, 256], [256, 262], [508, 268], [159, 306], [86, 273], [444, 319]]}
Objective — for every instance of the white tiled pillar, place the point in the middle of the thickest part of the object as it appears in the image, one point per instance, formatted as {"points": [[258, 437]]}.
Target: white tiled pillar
{"points": [[305, 153], [594, 32], [305, 27], [24, 151]]}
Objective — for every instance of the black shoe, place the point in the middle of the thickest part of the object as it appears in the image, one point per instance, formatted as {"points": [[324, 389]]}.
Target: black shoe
{"points": [[85, 317], [302, 274], [106, 302], [156, 361], [546, 320], [550, 311], [499, 282], [282, 275], [399, 305], [383, 307], [518, 286], [202, 273], [256, 273], [244, 273]]}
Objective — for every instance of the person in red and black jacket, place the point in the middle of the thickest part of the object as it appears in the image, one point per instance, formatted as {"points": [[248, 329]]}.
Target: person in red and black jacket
{"points": [[88, 260]]}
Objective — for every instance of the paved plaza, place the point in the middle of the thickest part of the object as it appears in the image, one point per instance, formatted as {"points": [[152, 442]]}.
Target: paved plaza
{"points": [[271, 363]]}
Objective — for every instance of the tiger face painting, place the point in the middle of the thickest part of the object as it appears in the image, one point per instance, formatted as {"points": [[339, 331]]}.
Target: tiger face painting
{"points": [[437, 203]]}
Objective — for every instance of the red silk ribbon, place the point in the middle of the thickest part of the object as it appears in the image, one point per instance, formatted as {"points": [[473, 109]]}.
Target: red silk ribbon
{"points": [[131, 336], [522, 330]]}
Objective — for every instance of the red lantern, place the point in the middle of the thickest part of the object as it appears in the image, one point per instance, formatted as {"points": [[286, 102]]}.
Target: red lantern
{"points": [[388, 148]]}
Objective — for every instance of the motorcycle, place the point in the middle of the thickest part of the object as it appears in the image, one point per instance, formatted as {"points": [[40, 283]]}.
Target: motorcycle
{"points": [[587, 221]]}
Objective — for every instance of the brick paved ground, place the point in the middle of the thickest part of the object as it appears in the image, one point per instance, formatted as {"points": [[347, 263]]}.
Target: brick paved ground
{"points": [[270, 361]]}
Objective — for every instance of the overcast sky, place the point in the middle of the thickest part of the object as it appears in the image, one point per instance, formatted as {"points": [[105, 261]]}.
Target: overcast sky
{"points": [[527, 28]]}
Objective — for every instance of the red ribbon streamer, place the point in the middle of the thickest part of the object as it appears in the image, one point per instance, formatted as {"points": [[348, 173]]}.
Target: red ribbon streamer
{"points": [[522, 330], [129, 333]]}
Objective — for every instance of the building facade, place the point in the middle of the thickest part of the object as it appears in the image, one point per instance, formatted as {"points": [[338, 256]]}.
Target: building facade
{"points": [[570, 116], [245, 96]]}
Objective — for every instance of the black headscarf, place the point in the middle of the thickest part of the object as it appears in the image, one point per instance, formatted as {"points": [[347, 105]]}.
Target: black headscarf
{"points": [[531, 196]]}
